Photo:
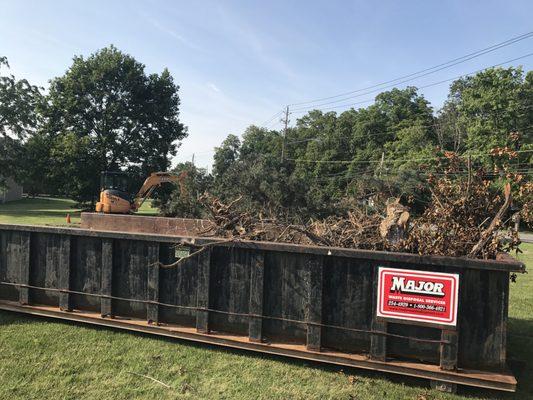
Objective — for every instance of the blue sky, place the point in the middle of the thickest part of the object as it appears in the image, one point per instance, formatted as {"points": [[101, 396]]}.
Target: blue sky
{"points": [[239, 62]]}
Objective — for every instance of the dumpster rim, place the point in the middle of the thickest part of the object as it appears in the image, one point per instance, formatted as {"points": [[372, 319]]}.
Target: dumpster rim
{"points": [[505, 263]]}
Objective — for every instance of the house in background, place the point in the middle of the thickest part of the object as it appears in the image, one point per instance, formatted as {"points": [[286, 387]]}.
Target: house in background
{"points": [[13, 191]]}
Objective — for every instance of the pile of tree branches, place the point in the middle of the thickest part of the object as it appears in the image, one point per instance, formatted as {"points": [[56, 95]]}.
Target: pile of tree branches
{"points": [[229, 221], [466, 218], [468, 215]]}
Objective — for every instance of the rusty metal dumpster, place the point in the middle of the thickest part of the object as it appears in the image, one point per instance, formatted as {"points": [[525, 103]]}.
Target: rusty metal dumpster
{"points": [[440, 318]]}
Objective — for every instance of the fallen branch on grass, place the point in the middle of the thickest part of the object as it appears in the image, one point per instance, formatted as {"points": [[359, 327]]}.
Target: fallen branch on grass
{"points": [[152, 379]]}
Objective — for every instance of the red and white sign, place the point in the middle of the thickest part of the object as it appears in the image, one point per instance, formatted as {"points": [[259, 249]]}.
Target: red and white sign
{"points": [[407, 294]]}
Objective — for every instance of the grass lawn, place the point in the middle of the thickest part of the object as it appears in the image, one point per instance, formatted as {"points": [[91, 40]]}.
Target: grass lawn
{"points": [[39, 211], [49, 211], [55, 360]]}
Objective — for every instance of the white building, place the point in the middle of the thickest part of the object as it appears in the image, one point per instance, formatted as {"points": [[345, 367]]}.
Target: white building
{"points": [[11, 193]]}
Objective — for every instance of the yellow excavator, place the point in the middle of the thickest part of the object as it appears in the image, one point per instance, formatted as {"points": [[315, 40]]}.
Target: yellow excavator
{"points": [[114, 195]]}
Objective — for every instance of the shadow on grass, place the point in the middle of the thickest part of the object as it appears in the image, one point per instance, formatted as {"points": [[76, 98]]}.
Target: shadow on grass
{"points": [[520, 355], [520, 345], [520, 327]]}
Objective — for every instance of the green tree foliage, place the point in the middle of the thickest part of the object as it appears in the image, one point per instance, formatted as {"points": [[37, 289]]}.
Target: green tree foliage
{"points": [[255, 169], [489, 105], [18, 119], [106, 113], [18, 99], [334, 160], [182, 199]]}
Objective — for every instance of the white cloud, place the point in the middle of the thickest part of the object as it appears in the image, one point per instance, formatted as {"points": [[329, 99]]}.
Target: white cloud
{"points": [[262, 47], [183, 40], [213, 87]]}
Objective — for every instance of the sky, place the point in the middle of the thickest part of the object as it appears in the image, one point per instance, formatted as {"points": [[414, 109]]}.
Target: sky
{"points": [[240, 62]]}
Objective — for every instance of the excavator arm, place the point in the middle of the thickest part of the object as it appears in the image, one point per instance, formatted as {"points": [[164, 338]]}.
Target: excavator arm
{"points": [[153, 181]]}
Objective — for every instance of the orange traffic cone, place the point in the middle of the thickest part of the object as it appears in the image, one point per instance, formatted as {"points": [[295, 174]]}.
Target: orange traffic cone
{"points": [[68, 218]]}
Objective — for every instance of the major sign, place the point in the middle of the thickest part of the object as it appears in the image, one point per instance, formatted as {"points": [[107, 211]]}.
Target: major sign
{"points": [[429, 297]]}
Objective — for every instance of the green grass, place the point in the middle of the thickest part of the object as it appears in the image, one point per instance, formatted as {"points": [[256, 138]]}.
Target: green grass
{"points": [[49, 211], [57, 360], [39, 211], [521, 325], [147, 209]]}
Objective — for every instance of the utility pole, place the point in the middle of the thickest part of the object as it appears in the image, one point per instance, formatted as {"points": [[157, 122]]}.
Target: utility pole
{"points": [[193, 159], [285, 121]]}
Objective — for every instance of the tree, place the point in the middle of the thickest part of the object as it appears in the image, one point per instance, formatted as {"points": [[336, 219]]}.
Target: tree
{"points": [[106, 113], [490, 105], [182, 201], [226, 155], [254, 170], [18, 118]]}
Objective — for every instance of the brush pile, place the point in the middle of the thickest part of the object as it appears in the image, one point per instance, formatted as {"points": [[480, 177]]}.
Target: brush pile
{"points": [[468, 215], [356, 230]]}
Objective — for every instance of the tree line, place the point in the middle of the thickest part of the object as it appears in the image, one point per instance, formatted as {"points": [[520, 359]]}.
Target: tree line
{"points": [[107, 113], [336, 161], [104, 113]]}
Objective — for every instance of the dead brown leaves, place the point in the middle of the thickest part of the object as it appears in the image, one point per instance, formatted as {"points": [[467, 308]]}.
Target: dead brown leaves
{"points": [[356, 230], [466, 216]]}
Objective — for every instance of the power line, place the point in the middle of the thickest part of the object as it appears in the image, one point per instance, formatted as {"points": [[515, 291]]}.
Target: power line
{"points": [[276, 115], [430, 70], [272, 124], [370, 173], [389, 161], [305, 109]]}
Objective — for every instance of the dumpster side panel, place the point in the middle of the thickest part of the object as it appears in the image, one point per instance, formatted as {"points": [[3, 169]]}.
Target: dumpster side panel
{"points": [[230, 289], [86, 272], [348, 296], [412, 349], [286, 295], [44, 267], [294, 296], [12, 255], [178, 286], [130, 277], [483, 318]]}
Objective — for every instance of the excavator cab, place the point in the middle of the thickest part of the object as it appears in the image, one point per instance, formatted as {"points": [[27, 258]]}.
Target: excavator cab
{"points": [[118, 181], [114, 194]]}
